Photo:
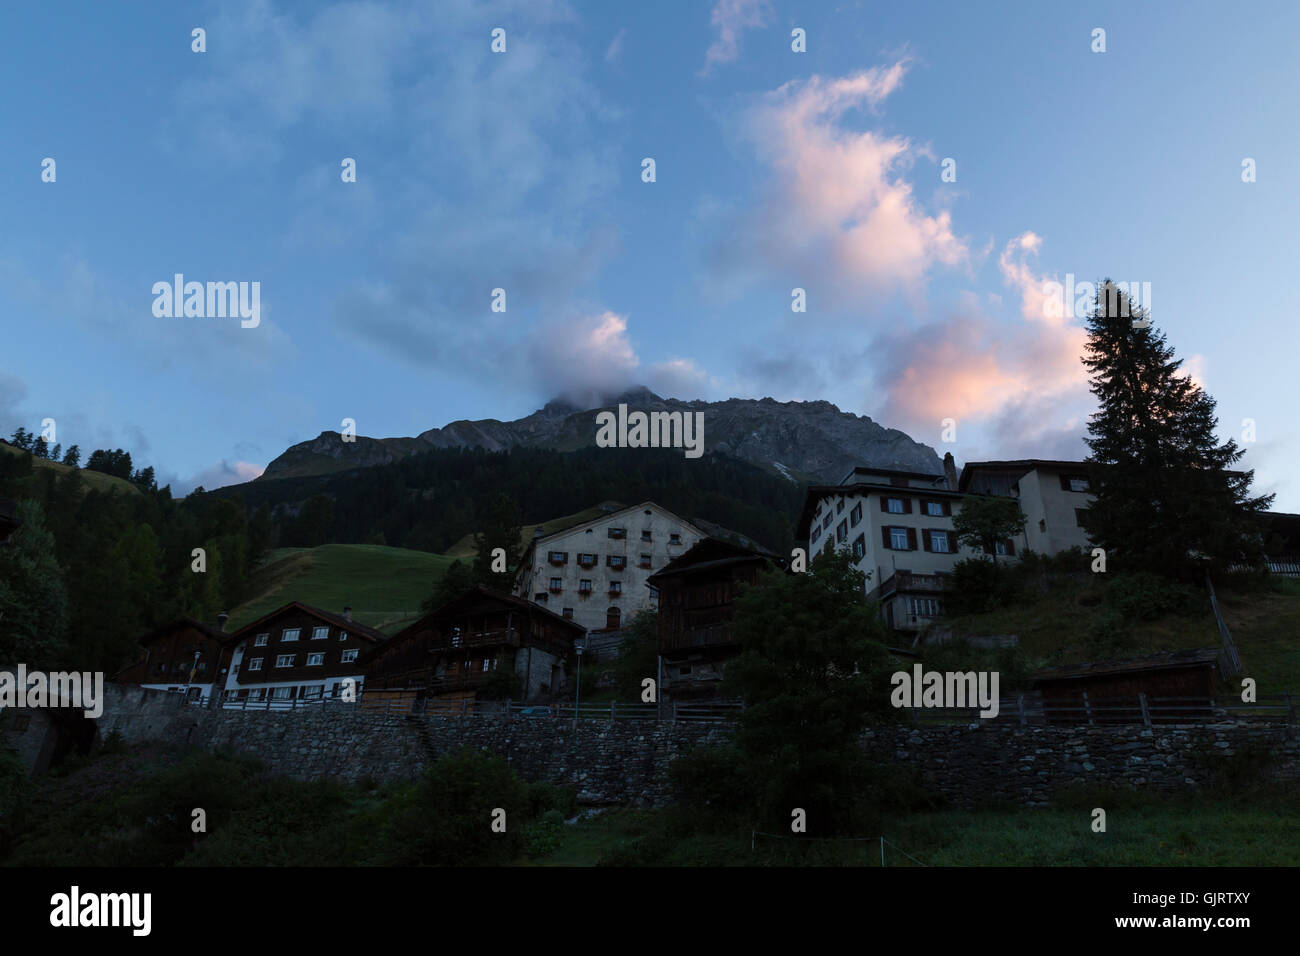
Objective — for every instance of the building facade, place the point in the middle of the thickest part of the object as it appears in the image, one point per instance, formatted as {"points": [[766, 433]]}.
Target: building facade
{"points": [[1053, 496], [464, 647], [182, 656], [595, 573], [297, 652]]}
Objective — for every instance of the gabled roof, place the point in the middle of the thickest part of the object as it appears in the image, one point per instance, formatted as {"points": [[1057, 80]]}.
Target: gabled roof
{"points": [[477, 592], [1166, 660], [207, 629], [577, 526], [712, 553], [892, 473], [329, 617]]}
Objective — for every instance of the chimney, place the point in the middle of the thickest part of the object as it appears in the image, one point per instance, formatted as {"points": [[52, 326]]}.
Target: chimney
{"points": [[222, 618], [347, 613], [950, 471]]}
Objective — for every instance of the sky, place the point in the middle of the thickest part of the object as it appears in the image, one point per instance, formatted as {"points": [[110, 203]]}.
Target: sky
{"points": [[922, 171]]}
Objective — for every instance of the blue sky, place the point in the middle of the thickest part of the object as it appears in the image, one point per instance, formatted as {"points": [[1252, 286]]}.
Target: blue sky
{"points": [[523, 170]]}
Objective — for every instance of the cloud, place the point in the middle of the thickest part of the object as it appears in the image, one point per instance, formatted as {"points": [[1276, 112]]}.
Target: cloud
{"points": [[217, 475], [730, 18], [615, 49], [837, 217]]}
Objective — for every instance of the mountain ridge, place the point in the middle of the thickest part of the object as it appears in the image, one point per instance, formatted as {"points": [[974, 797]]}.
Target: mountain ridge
{"points": [[811, 441]]}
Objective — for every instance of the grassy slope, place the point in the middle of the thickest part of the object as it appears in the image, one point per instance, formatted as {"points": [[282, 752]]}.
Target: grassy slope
{"points": [[93, 479], [1265, 626], [465, 546], [384, 586]]}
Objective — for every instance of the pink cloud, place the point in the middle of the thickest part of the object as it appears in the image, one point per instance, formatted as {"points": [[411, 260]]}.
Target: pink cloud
{"points": [[731, 18]]}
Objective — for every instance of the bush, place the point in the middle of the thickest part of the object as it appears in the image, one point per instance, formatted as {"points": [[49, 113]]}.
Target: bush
{"points": [[543, 798], [979, 585], [1146, 596]]}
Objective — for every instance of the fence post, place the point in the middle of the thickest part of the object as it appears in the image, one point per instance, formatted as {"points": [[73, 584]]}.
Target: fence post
{"points": [[464, 706], [1087, 708], [507, 708], [674, 711], [613, 715], [1146, 714], [1290, 710], [1020, 707]]}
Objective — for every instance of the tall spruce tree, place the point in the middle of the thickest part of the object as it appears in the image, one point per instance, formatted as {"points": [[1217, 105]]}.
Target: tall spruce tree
{"points": [[1167, 497]]}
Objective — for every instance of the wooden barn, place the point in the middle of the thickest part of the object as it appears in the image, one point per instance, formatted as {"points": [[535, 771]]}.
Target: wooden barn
{"points": [[697, 594], [1109, 691], [181, 655], [483, 641]]}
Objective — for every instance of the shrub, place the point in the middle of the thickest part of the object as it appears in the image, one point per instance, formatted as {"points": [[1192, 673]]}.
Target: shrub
{"points": [[1146, 596]]}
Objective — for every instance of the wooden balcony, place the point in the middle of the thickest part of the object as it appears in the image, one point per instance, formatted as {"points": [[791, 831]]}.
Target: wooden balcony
{"points": [[908, 582], [710, 635], [508, 636]]}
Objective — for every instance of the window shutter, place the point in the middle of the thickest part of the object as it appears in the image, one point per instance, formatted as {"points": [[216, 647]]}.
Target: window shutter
{"points": [[1065, 481], [1011, 548], [947, 509], [884, 503], [907, 506], [884, 534], [926, 543], [911, 539]]}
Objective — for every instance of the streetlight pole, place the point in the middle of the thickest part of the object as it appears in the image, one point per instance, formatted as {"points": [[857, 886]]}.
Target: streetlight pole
{"points": [[579, 645]]}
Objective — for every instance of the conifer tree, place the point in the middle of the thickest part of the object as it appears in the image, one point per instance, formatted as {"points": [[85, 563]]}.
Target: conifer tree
{"points": [[1167, 496]]}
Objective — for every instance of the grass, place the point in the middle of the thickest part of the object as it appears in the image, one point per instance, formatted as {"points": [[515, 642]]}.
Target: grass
{"points": [[95, 480], [1220, 833], [384, 586]]}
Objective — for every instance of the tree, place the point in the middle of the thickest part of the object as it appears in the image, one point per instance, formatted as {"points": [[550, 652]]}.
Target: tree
{"points": [[73, 456], [55, 452], [500, 527], [21, 438], [33, 597], [1166, 497], [638, 655], [458, 578], [812, 673], [985, 521], [41, 448]]}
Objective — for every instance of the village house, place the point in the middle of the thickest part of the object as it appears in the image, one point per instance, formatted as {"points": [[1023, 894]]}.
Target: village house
{"points": [[183, 655], [595, 572], [481, 639], [297, 652], [697, 594], [1053, 496]]}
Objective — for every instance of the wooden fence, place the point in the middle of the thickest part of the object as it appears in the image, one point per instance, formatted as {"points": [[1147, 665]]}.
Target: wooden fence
{"points": [[1032, 708]]}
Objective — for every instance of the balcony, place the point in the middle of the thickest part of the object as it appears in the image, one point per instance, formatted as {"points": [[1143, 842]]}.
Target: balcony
{"points": [[508, 636], [710, 635], [906, 581]]}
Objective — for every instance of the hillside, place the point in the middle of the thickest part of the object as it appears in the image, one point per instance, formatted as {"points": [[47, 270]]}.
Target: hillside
{"points": [[96, 480], [1060, 628], [801, 441], [384, 586], [464, 548]]}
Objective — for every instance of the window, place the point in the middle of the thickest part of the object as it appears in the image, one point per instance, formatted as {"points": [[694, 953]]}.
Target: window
{"points": [[487, 664], [282, 693], [1075, 483], [939, 542], [826, 522], [615, 587], [613, 618], [645, 560], [898, 538], [859, 546], [584, 586], [842, 531], [894, 506], [455, 636], [674, 539], [1007, 547], [257, 693], [556, 585], [936, 509], [343, 635], [925, 607], [349, 656], [616, 561], [320, 633], [316, 660], [255, 664], [311, 691], [587, 560], [289, 634], [839, 506], [260, 640], [558, 557], [567, 614], [816, 533], [855, 515], [285, 660], [618, 533], [646, 536], [540, 597]]}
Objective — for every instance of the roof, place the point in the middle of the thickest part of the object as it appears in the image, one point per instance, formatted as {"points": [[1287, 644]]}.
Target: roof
{"points": [[605, 517], [1021, 464], [816, 493], [213, 632], [1166, 660], [711, 553], [477, 591], [893, 473], [338, 620]]}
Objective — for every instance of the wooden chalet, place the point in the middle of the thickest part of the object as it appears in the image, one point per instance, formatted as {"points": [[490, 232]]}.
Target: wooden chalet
{"points": [[297, 652], [181, 655], [1177, 685], [454, 651], [697, 594]]}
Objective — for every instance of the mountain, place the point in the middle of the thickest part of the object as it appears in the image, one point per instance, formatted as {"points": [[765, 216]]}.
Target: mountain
{"points": [[812, 441]]}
